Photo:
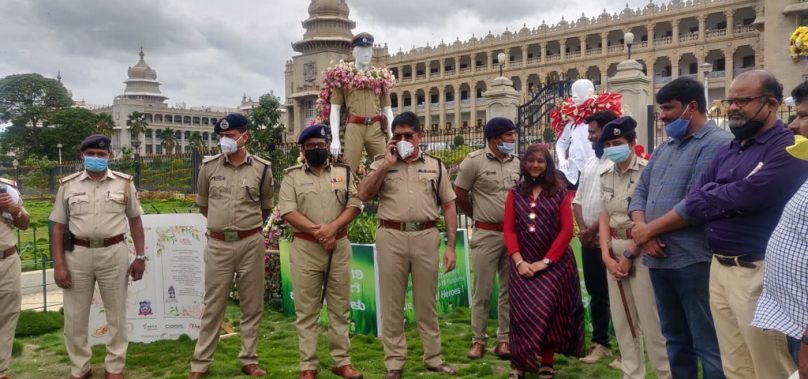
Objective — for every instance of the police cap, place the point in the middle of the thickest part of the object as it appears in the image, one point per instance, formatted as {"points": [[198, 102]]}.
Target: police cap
{"points": [[314, 131], [496, 126], [619, 127], [96, 141], [232, 121], [362, 40]]}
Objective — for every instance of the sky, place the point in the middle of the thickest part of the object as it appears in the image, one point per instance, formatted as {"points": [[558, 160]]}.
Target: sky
{"points": [[210, 52]]}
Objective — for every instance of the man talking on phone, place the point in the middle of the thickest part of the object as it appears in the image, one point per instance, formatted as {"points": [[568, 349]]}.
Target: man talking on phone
{"points": [[12, 215], [413, 187]]}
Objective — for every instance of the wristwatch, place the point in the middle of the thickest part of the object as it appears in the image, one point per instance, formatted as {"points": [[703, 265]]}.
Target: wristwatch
{"points": [[627, 254], [141, 257], [547, 261]]}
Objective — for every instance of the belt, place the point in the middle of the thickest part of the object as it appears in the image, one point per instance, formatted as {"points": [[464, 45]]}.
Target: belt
{"points": [[311, 238], [622, 234], [488, 226], [9, 252], [96, 243], [354, 119], [232, 235], [736, 260], [408, 226]]}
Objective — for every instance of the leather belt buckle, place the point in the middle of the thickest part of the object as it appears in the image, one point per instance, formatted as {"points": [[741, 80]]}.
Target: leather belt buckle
{"points": [[230, 235], [368, 121], [411, 226], [96, 243]]}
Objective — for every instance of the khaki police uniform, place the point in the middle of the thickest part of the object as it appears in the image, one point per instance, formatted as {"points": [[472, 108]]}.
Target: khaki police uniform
{"points": [[320, 197], [617, 189], [367, 104], [94, 211], [9, 282], [409, 195], [235, 197], [488, 179]]}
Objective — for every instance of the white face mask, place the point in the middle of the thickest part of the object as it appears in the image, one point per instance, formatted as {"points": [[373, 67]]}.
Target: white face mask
{"points": [[229, 145], [404, 149]]}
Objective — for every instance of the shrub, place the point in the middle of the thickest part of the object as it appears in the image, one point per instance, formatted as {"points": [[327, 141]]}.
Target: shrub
{"points": [[16, 348], [32, 323]]}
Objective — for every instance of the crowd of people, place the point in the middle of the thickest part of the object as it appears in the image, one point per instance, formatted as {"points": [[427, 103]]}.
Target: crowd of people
{"points": [[696, 256]]}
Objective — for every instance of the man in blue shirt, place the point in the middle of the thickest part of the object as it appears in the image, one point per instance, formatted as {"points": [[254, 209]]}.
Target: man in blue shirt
{"points": [[675, 246], [740, 197]]}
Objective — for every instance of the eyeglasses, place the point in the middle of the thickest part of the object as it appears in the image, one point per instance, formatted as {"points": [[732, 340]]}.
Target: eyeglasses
{"points": [[740, 102], [400, 136], [315, 146]]}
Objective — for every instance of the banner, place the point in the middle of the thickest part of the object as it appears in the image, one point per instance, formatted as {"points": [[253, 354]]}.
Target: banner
{"points": [[169, 301]]}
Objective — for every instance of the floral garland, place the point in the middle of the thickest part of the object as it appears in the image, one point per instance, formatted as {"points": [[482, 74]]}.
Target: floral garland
{"points": [[275, 230], [799, 42], [567, 111], [346, 75]]}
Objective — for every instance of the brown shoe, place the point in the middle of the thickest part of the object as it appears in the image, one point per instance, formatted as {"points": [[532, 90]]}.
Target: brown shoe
{"points": [[442, 368], [308, 374], [86, 375], [393, 374], [477, 350], [503, 350], [347, 372], [108, 375], [253, 370], [198, 375]]}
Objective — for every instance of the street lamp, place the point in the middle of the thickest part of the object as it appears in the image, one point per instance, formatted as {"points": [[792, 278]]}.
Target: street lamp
{"points": [[628, 38], [59, 146], [16, 165], [501, 58], [706, 68]]}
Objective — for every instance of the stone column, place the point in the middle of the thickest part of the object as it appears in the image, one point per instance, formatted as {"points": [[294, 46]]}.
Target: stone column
{"points": [[675, 23], [503, 99], [730, 22], [441, 107], [488, 60], [182, 141], [604, 42], [634, 86], [473, 105], [563, 44], [650, 29], [702, 27], [442, 67], [543, 52], [427, 109], [524, 55], [729, 65]]}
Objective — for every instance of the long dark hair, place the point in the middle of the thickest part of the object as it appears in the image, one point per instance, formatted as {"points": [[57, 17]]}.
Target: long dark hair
{"points": [[550, 180]]}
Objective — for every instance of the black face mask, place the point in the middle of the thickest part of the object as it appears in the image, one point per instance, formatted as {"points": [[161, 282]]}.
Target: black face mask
{"points": [[750, 128], [316, 157], [535, 180]]}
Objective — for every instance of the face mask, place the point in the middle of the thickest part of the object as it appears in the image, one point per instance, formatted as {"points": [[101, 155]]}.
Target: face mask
{"points": [[404, 149], [95, 164], [316, 157], [617, 154], [749, 128], [799, 149], [535, 180], [677, 129], [229, 145], [506, 147]]}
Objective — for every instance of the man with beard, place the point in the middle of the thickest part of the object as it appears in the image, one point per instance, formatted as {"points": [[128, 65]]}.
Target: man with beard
{"points": [[740, 197]]}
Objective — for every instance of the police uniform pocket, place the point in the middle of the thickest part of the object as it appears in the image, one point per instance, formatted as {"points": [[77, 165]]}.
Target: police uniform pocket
{"points": [[251, 194], [489, 184], [218, 192], [78, 204], [115, 202], [429, 182]]}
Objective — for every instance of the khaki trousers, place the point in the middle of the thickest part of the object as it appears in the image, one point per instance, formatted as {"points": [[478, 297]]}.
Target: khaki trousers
{"points": [[399, 254], [642, 309], [358, 136], [309, 262], [9, 307], [746, 351], [107, 267], [222, 260], [488, 259]]}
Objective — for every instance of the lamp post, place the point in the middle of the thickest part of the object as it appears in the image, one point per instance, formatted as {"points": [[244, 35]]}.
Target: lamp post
{"points": [[706, 68], [59, 146], [500, 59], [16, 165], [628, 38]]}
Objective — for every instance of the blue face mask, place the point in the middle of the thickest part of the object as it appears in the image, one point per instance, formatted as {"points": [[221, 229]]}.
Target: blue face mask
{"points": [[617, 154], [677, 129], [95, 164], [506, 147]]}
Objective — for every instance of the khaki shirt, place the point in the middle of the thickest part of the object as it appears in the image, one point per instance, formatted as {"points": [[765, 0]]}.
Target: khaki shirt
{"points": [[488, 181], [96, 210], [408, 193], [321, 197], [360, 102], [616, 191], [234, 195], [8, 236]]}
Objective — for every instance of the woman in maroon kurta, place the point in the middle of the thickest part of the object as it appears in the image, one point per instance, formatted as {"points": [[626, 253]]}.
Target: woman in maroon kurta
{"points": [[545, 292]]}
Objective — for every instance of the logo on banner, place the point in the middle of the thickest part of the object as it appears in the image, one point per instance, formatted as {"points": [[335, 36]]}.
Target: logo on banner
{"points": [[171, 293], [145, 309]]}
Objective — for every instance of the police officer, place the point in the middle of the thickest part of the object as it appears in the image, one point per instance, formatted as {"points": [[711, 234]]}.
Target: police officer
{"points": [[486, 175], [631, 297], [318, 200], [95, 206], [412, 188], [12, 214], [235, 194]]}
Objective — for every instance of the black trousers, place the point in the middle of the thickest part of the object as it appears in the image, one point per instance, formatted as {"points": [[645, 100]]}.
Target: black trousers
{"points": [[598, 289]]}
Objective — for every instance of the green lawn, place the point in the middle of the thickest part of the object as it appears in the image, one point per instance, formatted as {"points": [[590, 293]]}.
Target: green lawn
{"points": [[45, 356]]}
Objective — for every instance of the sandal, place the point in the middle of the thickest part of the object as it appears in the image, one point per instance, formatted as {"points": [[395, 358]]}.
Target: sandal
{"points": [[546, 372], [516, 375]]}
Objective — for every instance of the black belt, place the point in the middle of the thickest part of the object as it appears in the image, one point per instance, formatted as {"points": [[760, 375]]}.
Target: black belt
{"points": [[745, 260]]}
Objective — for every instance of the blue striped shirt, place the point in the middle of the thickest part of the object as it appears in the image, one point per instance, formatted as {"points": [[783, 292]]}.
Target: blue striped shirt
{"points": [[674, 167]]}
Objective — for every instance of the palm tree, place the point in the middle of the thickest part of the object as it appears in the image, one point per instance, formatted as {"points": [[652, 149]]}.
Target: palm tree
{"points": [[137, 123], [196, 142], [168, 140], [105, 123]]}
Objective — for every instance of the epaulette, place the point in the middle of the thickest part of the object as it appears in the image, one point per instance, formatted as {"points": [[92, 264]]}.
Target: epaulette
{"points": [[378, 156], [476, 153], [295, 167], [70, 177], [211, 159], [8, 182], [122, 175], [262, 160], [431, 156]]}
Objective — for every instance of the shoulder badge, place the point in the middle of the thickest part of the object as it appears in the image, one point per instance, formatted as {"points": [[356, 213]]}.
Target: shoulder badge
{"points": [[70, 177], [476, 153], [8, 182], [292, 168], [211, 159], [262, 160], [122, 175], [378, 156]]}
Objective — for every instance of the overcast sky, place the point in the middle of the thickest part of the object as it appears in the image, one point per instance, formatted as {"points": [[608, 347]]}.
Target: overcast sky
{"points": [[210, 52]]}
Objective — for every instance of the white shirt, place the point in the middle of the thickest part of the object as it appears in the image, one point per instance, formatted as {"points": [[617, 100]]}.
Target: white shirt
{"points": [[574, 138], [588, 194]]}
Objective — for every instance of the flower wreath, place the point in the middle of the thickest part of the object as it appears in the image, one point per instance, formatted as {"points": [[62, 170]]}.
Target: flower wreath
{"points": [[798, 45], [346, 75], [567, 111]]}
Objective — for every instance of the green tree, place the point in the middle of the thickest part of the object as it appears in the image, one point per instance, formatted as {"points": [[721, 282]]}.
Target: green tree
{"points": [[68, 127], [28, 99], [137, 123], [266, 130], [168, 140], [197, 142], [105, 124]]}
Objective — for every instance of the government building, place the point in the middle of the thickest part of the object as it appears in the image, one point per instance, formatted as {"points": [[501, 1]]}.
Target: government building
{"points": [[445, 84]]}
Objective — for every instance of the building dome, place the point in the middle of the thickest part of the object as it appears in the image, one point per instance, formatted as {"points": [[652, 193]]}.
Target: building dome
{"points": [[328, 8], [328, 28], [142, 86], [141, 70]]}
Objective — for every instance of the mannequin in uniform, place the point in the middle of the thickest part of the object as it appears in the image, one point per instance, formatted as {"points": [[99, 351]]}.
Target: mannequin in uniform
{"points": [[573, 147]]}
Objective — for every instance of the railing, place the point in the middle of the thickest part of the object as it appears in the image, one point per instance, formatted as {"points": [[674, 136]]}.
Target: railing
{"points": [[465, 70], [533, 60], [741, 70], [449, 72], [516, 62], [615, 48], [420, 77], [689, 37], [744, 29], [553, 58], [662, 79], [716, 74], [419, 107], [590, 52], [574, 54], [663, 41], [465, 102], [716, 33]]}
